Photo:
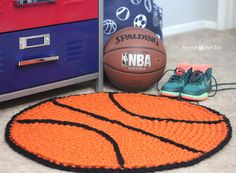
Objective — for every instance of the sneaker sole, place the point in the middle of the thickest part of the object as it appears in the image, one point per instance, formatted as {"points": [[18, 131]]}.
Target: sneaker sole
{"points": [[194, 97], [169, 94]]}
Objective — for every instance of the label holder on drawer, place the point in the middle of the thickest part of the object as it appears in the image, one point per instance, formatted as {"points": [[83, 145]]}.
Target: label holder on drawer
{"points": [[23, 41], [20, 3]]}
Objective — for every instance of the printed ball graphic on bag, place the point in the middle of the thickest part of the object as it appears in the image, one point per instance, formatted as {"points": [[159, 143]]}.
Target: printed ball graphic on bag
{"points": [[134, 59]]}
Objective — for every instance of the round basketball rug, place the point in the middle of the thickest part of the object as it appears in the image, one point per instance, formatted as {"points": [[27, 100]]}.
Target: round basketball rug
{"points": [[117, 132]]}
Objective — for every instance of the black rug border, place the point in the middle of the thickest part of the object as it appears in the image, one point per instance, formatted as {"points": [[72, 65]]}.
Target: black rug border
{"points": [[104, 170]]}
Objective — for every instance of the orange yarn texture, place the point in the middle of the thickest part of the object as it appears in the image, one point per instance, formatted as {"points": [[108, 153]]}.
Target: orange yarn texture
{"points": [[107, 132]]}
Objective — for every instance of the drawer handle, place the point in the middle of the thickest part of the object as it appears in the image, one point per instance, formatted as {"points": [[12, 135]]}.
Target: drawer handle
{"points": [[38, 61], [31, 2], [24, 41], [70, 2]]}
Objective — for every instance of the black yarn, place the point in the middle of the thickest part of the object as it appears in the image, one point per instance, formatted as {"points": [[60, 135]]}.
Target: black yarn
{"points": [[129, 127], [117, 104]]}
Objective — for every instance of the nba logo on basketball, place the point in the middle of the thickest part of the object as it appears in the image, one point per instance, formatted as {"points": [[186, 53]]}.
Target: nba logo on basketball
{"points": [[136, 60]]}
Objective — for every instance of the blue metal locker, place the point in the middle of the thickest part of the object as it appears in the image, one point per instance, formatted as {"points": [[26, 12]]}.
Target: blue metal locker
{"points": [[34, 57]]}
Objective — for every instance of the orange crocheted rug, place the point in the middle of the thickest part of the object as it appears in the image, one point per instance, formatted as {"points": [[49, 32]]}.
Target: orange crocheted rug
{"points": [[117, 132]]}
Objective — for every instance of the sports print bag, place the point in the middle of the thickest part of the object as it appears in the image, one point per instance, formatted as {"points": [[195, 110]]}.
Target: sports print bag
{"points": [[119, 14]]}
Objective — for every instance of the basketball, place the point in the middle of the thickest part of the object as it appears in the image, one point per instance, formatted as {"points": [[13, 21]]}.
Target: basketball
{"points": [[113, 132], [134, 59]]}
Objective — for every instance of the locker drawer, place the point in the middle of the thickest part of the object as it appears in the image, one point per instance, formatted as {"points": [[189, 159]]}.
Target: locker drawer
{"points": [[25, 14], [40, 56]]}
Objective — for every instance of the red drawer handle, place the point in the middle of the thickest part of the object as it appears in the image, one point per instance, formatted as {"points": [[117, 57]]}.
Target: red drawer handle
{"points": [[70, 2], [31, 2]]}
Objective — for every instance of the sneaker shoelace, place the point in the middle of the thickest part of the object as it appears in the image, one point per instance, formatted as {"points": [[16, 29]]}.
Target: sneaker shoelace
{"points": [[178, 75], [217, 85], [197, 77]]}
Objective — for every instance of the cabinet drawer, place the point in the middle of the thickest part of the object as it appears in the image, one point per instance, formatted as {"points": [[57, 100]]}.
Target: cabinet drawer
{"points": [[40, 56], [25, 14]]}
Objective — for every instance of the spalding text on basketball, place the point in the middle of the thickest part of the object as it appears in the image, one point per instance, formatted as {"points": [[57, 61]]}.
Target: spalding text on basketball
{"points": [[136, 61], [126, 37]]}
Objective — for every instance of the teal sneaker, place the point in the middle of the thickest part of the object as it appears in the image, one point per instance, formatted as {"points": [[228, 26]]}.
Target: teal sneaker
{"points": [[176, 83], [199, 85]]}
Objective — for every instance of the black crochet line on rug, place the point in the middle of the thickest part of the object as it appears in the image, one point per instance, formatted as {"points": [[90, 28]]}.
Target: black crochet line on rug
{"points": [[84, 126], [128, 127], [117, 104], [105, 170]]}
